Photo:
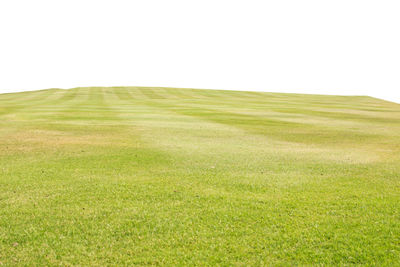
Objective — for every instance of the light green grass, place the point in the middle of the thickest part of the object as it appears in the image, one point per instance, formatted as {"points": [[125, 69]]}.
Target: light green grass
{"points": [[164, 176]]}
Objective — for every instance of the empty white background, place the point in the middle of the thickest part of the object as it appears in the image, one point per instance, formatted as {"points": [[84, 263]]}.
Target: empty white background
{"points": [[349, 47]]}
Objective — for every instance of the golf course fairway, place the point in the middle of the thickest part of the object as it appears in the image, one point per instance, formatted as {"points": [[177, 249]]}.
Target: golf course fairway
{"points": [[117, 176]]}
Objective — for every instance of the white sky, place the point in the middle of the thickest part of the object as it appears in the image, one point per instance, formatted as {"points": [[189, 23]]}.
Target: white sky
{"points": [[325, 47]]}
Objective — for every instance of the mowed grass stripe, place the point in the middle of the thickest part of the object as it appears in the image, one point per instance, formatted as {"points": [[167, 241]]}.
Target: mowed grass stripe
{"points": [[122, 93], [179, 94], [33, 100], [149, 93]]}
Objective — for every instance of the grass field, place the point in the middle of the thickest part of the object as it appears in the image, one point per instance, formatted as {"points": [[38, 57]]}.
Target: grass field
{"points": [[165, 176]]}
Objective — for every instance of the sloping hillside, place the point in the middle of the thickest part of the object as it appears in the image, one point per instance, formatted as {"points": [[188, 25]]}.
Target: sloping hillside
{"points": [[165, 176]]}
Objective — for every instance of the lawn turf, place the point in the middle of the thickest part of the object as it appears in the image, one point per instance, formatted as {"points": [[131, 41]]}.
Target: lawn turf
{"points": [[164, 176]]}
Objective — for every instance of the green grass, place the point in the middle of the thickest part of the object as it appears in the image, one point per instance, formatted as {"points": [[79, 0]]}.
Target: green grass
{"points": [[164, 176]]}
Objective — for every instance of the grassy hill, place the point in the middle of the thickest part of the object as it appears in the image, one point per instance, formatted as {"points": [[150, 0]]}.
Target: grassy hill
{"points": [[165, 176]]}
